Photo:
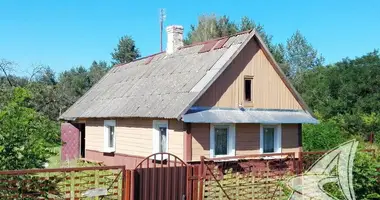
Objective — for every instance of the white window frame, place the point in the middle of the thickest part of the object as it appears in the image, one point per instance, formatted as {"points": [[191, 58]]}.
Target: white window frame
{"points": [[106, 148], [231, 140], [156, 137], [277, 137]]}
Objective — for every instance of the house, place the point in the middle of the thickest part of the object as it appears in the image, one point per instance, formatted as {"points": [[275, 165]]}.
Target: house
{"points": [[222, 97]]}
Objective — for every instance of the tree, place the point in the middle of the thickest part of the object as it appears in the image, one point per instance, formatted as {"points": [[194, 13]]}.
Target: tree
{"points": [[97, 71], [206, 29], [226, 27], [26, 137], [75, 82], [5, 67], [301, 56], [126, 51], [211, 27]]}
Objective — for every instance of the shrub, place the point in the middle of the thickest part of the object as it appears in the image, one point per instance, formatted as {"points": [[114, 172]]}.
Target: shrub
{"points": [[323, 136], [26, 137]]}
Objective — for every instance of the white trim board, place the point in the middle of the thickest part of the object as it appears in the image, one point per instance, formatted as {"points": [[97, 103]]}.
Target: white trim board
{"points": [[155, 134], [277, 137], [106, 148], [231, 140]]}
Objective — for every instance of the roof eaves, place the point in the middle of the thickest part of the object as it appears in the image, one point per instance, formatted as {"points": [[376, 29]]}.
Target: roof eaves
{"points": [[226, 64]]}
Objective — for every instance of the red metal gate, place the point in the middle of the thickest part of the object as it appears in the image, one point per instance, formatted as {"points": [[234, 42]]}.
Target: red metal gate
{"points": [[160, 176]]}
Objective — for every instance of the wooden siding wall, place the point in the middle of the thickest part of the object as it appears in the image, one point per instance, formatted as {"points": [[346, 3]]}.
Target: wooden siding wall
{"points": [[269, 91], [247, 139], [134, 136], [290, 138]]}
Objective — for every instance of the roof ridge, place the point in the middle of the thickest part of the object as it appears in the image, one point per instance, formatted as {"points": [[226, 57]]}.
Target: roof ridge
{"points": [[137, 59], [186, 46], [214, 39]]}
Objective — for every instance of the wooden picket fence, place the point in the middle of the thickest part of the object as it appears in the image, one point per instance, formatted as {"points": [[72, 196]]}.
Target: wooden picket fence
{"points": [[64, 183], [238, 177]]}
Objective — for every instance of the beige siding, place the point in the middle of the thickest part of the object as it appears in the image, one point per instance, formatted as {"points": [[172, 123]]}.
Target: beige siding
{"points": [[94, 134], [247, 139], [200, 140], [133, 136], [176, 145], [269, 91]]}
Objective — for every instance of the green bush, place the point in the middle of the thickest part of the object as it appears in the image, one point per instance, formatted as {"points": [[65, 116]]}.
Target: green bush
{"points": [[26, 137], [323, 136], [365, 176]]}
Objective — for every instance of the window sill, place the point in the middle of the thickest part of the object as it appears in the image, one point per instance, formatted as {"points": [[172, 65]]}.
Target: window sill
{"points": [[269, 157], [224, 156], [248, 104], [109, 151], [160, 157]]}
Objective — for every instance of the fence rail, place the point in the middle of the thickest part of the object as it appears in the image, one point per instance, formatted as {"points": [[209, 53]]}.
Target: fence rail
{"points": [[63, 183], [258, 176]]}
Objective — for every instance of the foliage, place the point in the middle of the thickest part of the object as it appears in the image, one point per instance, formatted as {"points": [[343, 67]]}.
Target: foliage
{"points": [[26, 137], [294, 58], [126, 51], [27, 187], [300, 56], [315, 136], [366, 176], [346, 91]]}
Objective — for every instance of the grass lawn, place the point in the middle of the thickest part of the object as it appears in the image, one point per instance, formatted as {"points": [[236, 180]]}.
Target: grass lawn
{"points": [[55, 161]]}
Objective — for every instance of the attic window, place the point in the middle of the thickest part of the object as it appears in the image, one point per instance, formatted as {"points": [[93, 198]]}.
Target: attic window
{"points": [[248, 88]]}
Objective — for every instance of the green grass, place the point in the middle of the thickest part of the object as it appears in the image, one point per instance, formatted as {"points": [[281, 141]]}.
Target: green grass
{"points": [[55, 161]]}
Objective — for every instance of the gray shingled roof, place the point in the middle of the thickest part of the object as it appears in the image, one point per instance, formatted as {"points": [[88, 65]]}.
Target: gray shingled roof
{"points": [[160, 87]]}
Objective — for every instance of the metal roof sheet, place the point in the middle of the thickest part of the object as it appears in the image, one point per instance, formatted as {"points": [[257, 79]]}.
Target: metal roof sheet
{"points": [[262, 116]]}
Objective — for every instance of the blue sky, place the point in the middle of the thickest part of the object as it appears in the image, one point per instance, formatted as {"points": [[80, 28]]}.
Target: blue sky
{"points": [[69, 33]]}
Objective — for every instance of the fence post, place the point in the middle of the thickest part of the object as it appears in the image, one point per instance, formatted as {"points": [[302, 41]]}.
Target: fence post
{"points": [[189, 175], [127, 185], [294, 168], [300, 162], [201, 178]]}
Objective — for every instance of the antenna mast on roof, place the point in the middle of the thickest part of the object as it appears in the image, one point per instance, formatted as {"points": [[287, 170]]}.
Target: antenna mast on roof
{"points": [[162, 19]]}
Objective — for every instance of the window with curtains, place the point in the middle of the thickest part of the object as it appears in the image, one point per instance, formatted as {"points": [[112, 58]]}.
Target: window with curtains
{"points": [[270, 139], [160, 136], [162, 139], [222, 140], [109, 136]]}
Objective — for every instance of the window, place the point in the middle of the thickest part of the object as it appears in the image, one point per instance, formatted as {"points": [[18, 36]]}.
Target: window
{"points": [[248, 89], [162, 139], [160, 136], [270, 139], [109, 135], [222, 140]]}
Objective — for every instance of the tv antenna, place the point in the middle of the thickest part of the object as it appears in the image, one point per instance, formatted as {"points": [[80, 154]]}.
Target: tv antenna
{"points": [[162, 19]]}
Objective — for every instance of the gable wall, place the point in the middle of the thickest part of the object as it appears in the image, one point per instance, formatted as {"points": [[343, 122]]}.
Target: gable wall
{"points": [[269, 91]]}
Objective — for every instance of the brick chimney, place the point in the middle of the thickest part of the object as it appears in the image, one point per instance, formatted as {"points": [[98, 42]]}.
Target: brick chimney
{"points": [[175, 38]]}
